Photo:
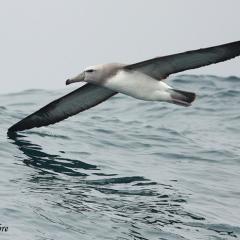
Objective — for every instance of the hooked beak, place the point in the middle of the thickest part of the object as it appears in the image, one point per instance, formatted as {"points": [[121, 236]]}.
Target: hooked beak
{"points": [[78, 78]]}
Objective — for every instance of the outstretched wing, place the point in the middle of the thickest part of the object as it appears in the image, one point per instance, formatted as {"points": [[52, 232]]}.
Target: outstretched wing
{"points": [[77, 101], [161, 67]]}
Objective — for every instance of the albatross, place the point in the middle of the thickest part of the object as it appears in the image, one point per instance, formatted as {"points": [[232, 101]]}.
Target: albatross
{"points": [[142, 80]]}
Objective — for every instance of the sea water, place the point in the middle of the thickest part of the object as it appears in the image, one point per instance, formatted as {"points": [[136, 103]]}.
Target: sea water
{"points": [[125, 169]]}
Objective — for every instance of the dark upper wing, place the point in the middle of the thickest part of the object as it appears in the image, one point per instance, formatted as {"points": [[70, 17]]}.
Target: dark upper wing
{"points": [[161, 67], [79, 100]]}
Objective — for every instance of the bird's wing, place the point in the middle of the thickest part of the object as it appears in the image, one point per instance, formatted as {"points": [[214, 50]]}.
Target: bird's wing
{"points": [[79, 100], [161, 67]]}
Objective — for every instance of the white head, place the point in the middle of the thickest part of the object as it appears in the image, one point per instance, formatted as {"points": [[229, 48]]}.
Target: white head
{"points": [[96, 74]]}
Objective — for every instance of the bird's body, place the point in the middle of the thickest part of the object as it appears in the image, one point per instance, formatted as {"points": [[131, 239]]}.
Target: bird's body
{"points": [[138, 85], [118, 78], [143, 80]]}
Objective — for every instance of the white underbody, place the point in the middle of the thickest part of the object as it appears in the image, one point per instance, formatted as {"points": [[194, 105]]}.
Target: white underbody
{"points": [[139, 85]]}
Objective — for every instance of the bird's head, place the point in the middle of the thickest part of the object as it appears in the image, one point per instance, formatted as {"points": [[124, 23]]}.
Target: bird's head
{"points": [[91, 74], [96, 74]]}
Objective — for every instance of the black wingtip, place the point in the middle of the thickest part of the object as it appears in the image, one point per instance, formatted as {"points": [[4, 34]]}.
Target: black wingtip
{"points": [[11, 133], [12, 129], [23, 124]]}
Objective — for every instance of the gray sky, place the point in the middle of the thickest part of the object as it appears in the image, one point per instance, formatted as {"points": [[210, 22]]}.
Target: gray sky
{"points": [[45, 42]]}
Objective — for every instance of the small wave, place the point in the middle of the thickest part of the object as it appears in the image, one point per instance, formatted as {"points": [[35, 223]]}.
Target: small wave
{"points": [[120, 180]]}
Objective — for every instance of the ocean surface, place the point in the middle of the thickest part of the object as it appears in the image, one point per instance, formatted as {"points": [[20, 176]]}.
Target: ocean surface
{"points": [[126, 169]]}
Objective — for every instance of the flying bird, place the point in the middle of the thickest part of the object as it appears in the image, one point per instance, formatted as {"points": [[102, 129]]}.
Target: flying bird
{"points": [[142, 80]]}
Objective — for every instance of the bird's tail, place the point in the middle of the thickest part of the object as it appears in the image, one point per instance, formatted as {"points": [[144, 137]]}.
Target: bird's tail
{"points": [[182, 98]]}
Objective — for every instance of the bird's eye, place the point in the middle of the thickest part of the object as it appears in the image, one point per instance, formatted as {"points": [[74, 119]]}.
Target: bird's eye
{"points": [[90, 70]]}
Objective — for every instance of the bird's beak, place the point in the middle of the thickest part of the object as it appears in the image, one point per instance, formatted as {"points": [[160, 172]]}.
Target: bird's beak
{"points": [[78, 78]]}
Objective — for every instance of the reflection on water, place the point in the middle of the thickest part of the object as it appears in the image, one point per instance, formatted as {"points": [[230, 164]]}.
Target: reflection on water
{"points": [[132, 201], [45, 162]]}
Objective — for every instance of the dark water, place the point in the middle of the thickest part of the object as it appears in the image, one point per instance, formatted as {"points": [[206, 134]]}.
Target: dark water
{"points": [[126, 169]]}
